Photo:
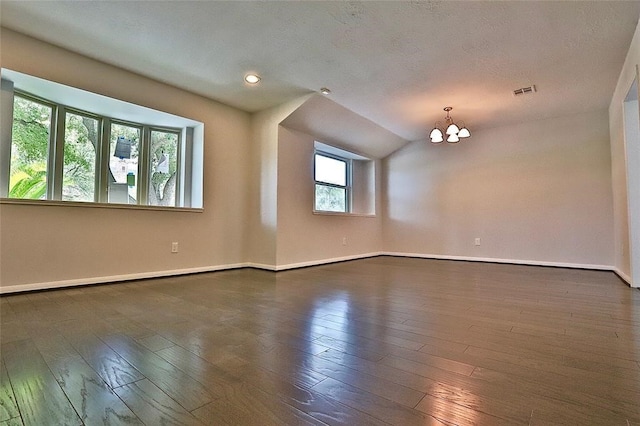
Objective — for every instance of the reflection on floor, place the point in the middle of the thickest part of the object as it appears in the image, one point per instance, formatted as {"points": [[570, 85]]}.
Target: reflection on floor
{"points": [[376, 341]]}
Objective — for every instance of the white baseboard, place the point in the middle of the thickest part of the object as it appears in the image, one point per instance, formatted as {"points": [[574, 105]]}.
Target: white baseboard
{"points": [[115, 278], [159, 274], [314, 262], [497, 260], [623, 276], [275, 268], [261, 266]]}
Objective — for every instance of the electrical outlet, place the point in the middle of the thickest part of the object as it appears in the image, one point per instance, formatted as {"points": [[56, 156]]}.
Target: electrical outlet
{"points": [[477, 241], [344, 241], [174, 247]]}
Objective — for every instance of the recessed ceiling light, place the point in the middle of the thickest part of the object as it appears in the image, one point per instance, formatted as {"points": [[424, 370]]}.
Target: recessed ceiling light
{"points": [[252, 78], [325, 91]]}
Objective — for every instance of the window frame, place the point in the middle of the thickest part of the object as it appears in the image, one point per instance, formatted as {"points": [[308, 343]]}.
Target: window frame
{"points": [[179, 157], [50, 143], [109, 122], [61, 139], [347, 187], [55, 155]]}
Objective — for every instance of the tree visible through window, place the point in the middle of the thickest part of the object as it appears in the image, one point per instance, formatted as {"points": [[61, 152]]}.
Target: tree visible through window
{"points": [[96, 149], [164, 168], [123, 164], [31, 147], [332, 183], [31, 133], [80, 146]]}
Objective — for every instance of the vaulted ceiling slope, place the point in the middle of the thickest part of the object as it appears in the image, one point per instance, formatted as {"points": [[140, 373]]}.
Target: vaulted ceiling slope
{"points": [[396, 63], [334, 124]]}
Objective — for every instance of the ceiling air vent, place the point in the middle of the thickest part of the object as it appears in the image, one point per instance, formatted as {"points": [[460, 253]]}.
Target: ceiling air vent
{"points": [[524, 90]]}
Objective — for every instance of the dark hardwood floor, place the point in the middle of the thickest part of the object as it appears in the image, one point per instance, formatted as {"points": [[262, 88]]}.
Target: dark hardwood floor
{"points": [[370, 342]]}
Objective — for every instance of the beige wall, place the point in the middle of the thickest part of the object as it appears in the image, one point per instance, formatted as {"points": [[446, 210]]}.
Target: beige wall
{"points": [[302, 235], [618, 159], [262, 195], [245, 220], [365, 193], [538, 191], [50, 243]]}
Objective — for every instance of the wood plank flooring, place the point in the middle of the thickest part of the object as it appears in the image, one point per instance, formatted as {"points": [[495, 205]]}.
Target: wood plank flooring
{"points": [[369, 342]]}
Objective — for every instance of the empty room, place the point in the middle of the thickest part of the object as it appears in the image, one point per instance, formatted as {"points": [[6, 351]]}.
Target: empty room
{"points": [[319, 213]]}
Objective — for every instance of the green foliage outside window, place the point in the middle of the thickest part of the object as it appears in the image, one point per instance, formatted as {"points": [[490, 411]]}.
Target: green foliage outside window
{"points": [[80, 142], [330, 199], [31, 175], [164, 148], [29, 149], [331, 176]]}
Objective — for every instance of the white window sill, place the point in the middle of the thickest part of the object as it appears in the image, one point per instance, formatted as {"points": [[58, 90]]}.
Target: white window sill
{"points": [[323, 213], [57, 203]]}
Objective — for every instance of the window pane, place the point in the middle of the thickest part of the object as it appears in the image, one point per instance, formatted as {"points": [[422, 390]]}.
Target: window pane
{"points": [[123, 164], [330, 170], [331, 199], [29, 149], [164, 168], [79, 172]]}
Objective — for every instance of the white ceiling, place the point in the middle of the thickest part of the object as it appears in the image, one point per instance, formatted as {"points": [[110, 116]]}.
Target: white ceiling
{"points": [[334, 124], [396, 63]]}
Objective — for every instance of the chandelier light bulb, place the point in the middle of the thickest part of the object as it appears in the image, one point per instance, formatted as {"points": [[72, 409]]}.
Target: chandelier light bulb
{"points": [[437, 139], [452, 129]]}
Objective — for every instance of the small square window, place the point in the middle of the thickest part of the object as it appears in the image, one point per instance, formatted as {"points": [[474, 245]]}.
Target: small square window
{"points": [[332, 183]]}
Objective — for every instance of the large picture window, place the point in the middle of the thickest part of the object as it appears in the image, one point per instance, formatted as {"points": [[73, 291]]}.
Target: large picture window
{"points": [[68, 152], [332, 180]]}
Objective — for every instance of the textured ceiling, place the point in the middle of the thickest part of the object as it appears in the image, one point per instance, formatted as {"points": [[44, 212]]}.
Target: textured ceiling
{"points": [[396, 63], [334, 124]]}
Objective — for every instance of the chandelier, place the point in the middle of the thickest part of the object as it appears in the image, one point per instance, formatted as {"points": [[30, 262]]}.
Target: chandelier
{"points": [[453, 132]]}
